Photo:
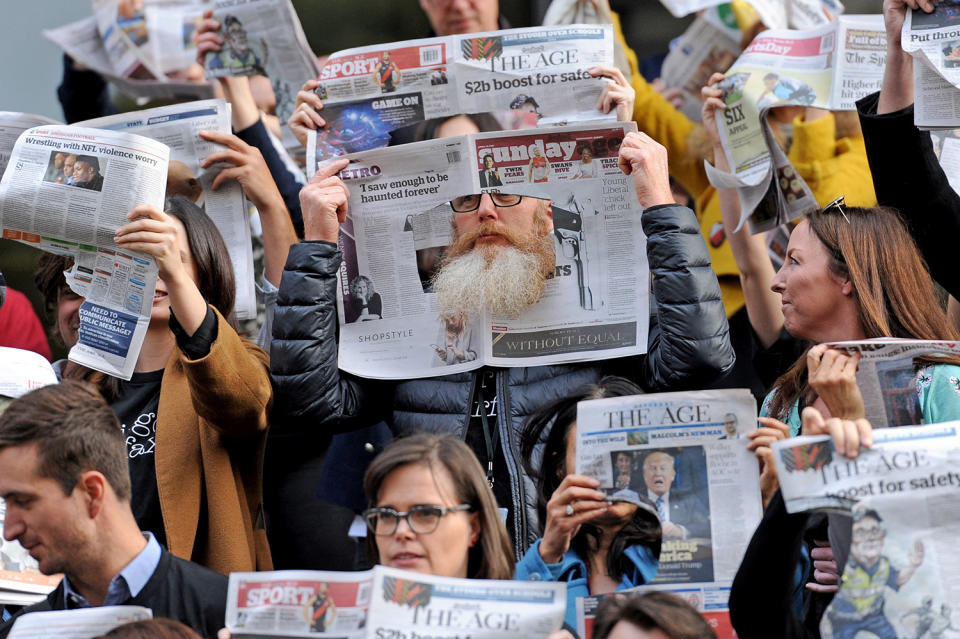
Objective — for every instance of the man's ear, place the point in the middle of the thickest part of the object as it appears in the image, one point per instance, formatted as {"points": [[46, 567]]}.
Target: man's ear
{"points": [[94, 487]]}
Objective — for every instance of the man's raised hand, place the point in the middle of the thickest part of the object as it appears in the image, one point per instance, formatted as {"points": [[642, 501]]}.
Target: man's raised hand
{"points": [[324, 203]]}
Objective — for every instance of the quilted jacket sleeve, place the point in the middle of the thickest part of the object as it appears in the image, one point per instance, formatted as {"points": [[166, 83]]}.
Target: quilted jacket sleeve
{"points": [[689, 339], [309, 389]]}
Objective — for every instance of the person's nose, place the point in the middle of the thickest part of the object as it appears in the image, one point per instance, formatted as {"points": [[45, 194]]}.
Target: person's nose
{"points": [[13, 526], [404, 531], [779, 281], [487, 211]]}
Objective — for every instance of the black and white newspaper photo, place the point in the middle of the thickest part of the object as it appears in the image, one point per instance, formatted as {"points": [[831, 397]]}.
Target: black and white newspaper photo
{"points": [[524, 78], [177, 126], [81, 623], [418, 295], [899, 578], [827, 67], [387, 602], [76, 210], [684, 457]]}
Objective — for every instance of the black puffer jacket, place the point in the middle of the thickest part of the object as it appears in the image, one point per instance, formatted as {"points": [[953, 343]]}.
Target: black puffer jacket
{"points": [[688, 345]]}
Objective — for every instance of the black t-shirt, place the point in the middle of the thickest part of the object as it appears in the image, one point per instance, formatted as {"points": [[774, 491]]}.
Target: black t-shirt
{"points": [[136, 407], [486, 399]]}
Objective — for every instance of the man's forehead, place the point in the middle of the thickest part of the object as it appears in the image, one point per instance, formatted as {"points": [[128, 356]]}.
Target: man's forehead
{"points": [[18, 468]]}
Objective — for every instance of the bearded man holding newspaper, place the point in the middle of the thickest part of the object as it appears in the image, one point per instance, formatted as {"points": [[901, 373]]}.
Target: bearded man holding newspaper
{"points": [[497, 262]]}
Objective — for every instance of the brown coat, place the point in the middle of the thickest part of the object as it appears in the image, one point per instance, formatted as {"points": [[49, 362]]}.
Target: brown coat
{"points": [[211, 430]]}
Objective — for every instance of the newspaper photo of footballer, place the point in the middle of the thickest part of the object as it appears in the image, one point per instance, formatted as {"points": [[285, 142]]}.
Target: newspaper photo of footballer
{"points": [[236, 57], [82, 171]]}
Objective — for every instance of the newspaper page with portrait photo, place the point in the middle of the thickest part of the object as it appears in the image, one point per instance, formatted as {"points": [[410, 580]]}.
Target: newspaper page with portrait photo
{"points": [[76, 211], [81, 41], [524, 78], [899, 578], [896, 375], [177, 126], [933, 39], [684, 457], [79, 623], [421, 294], [828, 67], [387, 603], [264, 37]]}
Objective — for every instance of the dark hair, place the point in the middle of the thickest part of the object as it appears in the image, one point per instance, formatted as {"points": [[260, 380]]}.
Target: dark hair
{"points": [[49, 280], [662, 611], [543, 449], [158, 628], [231, 19], [427, 130], [74, 429], [891, 285], [491, 557]]}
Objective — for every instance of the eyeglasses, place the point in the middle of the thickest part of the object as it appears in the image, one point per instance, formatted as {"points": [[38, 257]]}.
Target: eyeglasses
{"points": [[467, 203], [838, 204], [424, 519], [874, 533]]}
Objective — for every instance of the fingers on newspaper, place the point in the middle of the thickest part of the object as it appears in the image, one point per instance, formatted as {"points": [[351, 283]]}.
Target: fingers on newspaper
{"points": [[385, 603]]}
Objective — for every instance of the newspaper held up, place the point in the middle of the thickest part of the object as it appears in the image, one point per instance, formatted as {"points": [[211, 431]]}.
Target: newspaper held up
{"points": [[12, 125], [74, 210], [828, 67], [123, 31], [710, 45], [903, 498], [177, 126], [81, 623], [524, 77], [591, 265], [386, 602], [892, 373], [683, 456], [710, 602], [81, 41], [933, 39], [775, 14], [264, 37]]}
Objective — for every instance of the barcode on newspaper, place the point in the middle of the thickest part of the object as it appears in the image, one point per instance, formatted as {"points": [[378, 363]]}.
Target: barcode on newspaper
{"points": [[453, 157], [826, 43], [430, 55]]}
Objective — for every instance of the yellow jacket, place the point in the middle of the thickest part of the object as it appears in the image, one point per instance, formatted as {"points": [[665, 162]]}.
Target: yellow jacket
{"points": [[830, 167]]}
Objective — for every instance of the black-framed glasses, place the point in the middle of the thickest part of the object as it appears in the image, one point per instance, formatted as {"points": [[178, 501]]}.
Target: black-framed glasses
{"points": [[467, 203], [421, 519], [838, 204]]}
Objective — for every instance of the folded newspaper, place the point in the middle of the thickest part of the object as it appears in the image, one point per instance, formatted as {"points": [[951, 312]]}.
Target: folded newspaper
{"points": [[67, 190], [829, 67], [81, 41], [683, 456], [177, 126], [386, 603], [399, 228], [900, 578], [891, 374], [82, 623], [123, 30], [775, 14], [524, 77], [934, 40]]}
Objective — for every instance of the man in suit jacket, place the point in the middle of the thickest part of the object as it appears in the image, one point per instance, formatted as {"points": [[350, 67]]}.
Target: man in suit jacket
{"points": [[682, 516], [65, 479], [489, 176]]}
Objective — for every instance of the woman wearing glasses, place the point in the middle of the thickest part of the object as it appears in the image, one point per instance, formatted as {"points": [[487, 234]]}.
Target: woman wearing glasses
{"points": [[433, 512]]}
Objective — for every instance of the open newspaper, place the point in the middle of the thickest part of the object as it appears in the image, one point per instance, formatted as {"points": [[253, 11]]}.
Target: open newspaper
{"points": [[711, 604], [890, 374], [400, 226], [900, 577], [934, 40], [172, 25], [775, 14], [81, 41], [710, 45], [76, 211], [12, 125], [829, 67], [946, 145], [123, 31], [524, 77], [388, 603], [684, 456], [264, 37], [82, 623], [177, 126]]}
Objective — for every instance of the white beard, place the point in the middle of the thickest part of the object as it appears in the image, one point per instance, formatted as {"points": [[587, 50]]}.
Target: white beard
{"points": [[504, 280]]}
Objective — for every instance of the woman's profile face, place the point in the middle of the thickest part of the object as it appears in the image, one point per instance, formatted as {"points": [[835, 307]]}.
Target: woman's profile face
{"points": [[810, 292], [443, 552]]}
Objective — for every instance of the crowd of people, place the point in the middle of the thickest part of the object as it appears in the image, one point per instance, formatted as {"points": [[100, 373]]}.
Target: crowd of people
{"points": [[224, 454]]}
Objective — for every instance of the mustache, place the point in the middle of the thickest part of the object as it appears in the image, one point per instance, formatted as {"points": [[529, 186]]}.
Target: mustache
{"points": [[467, 241]]}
